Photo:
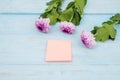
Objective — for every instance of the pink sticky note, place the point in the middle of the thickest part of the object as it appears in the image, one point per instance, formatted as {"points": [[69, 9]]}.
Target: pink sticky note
{"points": [[59, 50]]}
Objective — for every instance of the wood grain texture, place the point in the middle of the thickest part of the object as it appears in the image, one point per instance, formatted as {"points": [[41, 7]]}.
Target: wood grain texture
{"points": [[23, 47], [60, 72], [38, 6]]}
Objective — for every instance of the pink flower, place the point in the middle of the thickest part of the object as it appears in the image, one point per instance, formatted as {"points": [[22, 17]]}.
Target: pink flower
{"points": [[43, 24], [67, 27], [88, 39]]}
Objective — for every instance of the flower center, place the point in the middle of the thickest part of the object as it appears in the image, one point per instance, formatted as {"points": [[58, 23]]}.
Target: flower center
{"points": [[41, 27], [66, 30]]}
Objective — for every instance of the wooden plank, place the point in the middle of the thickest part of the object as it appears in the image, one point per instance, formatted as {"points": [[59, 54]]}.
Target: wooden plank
{"points": [[22, 46], [60, 72], [23, 24], [30, 49], [27, 6], [38, 6], [19, 39]]}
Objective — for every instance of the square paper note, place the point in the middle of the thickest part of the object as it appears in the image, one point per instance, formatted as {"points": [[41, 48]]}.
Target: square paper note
{"points": [[58, 50]]}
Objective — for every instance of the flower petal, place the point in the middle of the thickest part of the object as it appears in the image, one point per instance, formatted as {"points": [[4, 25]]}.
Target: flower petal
{"points": [[43, 24], [88, 39], [67, 27]]}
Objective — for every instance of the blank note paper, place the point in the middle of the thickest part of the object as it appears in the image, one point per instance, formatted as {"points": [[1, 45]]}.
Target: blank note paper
{"points": [[59, 50]]}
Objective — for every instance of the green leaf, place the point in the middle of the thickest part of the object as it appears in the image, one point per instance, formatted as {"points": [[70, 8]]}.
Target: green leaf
{"points": [[44, 15], [116, 18], [70, 5], [53, 17], [53, 11], [80, 4], [94, 31], [76, 19], [73, 12], [85, 1], [67, 15], [49, 8], [105, 32], [53, 2], [110, 30]]}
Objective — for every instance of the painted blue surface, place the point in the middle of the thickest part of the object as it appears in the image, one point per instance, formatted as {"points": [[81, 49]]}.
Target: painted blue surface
{"points": [[22, 46]]}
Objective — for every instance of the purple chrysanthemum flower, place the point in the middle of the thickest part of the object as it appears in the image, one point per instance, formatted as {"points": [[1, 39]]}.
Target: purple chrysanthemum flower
{"points": [[43, 24], [88, 39], [67, 27]]}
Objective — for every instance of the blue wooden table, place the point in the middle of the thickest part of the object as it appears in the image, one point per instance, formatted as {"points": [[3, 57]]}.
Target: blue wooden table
{"points": [[22, 46]]}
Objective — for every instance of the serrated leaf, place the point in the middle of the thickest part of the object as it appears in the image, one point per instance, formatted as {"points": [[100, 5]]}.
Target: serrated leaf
{"points": [[73, 12], [105, 32], [53, 11], [52, 4], [95, 29], [110, 30], [116, 18]]}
